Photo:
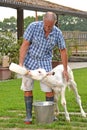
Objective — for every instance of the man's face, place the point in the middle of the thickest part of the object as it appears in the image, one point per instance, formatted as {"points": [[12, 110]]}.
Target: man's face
{"points": [[48, 25]]}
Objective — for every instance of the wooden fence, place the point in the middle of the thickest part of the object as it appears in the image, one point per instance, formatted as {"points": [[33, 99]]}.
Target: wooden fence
{"points": [[76, 41], [75, 34]]}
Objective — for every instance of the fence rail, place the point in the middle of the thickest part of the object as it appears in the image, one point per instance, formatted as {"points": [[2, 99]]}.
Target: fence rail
{"points": [[76, 43], [75, 34]]}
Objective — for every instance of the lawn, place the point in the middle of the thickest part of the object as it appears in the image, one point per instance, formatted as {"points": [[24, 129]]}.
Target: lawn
{"points": [[12, 108]]}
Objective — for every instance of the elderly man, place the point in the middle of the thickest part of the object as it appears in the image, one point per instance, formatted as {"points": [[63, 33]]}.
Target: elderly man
{"points": [[36, 52]]}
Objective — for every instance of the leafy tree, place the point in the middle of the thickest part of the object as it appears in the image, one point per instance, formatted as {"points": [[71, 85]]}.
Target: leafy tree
{"points": [[71, 23], [67, 23], [8, 24], [29, 20]]}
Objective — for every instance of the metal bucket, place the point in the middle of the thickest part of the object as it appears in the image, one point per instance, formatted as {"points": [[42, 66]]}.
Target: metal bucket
{"points": [[44, 111]]}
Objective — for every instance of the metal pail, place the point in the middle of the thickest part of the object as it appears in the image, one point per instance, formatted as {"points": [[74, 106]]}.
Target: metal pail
{"points": [[44, 111]]}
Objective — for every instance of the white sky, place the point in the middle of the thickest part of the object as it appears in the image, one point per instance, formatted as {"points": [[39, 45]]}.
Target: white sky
{"points": [[77, 4]]}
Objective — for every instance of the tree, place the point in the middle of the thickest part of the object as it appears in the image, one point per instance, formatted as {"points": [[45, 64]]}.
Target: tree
{"points": [[67, 23], [71, 23], [29, 20], [8, 24]]}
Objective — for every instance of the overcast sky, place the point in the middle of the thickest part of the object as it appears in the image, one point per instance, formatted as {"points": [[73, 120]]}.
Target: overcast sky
{"points": [[77, 4]]}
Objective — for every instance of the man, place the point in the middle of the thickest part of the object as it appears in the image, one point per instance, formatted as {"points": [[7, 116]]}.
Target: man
{"points": [[36, 52]]}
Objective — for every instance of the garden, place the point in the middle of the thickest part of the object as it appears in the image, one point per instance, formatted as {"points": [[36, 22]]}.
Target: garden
{"points": [[12, 108]]}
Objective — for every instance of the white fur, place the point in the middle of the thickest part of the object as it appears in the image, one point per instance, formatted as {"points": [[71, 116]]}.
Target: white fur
{"points": [[58, 84]]}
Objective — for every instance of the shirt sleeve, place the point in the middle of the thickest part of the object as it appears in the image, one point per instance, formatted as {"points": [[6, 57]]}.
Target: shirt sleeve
{"points": [[29, 32]]}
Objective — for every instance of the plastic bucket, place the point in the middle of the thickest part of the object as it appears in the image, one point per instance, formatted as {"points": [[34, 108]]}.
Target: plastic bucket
{"points": [[44, 111]]}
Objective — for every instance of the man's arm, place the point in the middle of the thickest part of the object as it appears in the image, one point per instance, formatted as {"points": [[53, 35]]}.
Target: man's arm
{"points": [[23, 50], [64, 58]]}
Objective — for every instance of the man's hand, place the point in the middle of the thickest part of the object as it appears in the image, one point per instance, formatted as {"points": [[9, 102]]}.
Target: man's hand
{"points": [[20, 64], [66, 76]]}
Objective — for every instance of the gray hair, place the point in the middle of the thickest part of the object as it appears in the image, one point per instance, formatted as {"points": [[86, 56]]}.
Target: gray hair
{"points": [[50, 16]]}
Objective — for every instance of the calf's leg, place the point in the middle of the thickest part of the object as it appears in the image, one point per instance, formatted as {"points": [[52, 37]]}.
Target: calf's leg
{"points": [[63, 102], [73, 86], [56, 110]]}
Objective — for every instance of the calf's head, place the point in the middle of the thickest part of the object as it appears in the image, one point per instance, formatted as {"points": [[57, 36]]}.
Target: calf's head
{"points": [[37, 74]]}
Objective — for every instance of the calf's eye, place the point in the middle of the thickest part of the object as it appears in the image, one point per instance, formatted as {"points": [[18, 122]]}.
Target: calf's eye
{"points": [[39, 71]]}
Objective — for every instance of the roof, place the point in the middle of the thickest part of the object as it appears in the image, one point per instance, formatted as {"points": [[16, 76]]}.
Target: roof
{"points": [[43, 6]]}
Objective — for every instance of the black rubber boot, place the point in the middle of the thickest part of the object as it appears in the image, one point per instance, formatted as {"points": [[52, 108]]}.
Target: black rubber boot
{"points": [[28, 105], [50, 98]]}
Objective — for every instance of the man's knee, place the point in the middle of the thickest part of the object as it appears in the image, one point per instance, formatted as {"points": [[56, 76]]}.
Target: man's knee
{"points": [[28, 93], [49, 94]]}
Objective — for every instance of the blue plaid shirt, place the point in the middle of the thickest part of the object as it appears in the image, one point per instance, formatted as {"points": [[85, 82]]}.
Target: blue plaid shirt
{"points": [[39, 54]]}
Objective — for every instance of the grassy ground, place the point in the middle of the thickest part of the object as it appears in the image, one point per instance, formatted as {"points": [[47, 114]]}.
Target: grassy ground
{"points": [[12, 109]]}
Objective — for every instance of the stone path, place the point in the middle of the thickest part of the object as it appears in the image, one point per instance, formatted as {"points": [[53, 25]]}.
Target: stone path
{"points": [[77, 65]]}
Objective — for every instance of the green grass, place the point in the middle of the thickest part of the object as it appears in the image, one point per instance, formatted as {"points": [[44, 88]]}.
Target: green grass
{"points": [[12, 108]]}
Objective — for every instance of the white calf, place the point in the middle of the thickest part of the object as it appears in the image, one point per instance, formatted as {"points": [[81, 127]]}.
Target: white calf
{"points": [[56, 81]]}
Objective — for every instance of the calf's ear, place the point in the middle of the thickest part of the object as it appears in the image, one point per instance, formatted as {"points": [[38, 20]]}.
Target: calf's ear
{"points": [[51, 73]]}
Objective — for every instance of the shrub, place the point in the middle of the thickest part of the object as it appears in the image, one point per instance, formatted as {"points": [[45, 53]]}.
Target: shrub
{"points": [[9, 45]]}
